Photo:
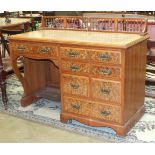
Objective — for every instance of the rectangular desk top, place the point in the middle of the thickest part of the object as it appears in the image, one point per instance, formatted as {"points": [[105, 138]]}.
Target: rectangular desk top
{"points": [[122, 40], [14, 22]]}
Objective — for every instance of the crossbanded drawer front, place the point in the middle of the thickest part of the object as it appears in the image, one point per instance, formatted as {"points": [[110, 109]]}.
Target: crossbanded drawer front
{"points": [[74, 53], [77, 106], [106, 90], [45, 50], [75, 85], [21, 48], [105, 71], [105, 112], [75, 67], [105, 56], [35, 49]]}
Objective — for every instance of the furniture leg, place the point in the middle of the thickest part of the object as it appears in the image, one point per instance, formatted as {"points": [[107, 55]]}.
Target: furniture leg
{"points": [[4, 96], [3, 84], [28, 96]]}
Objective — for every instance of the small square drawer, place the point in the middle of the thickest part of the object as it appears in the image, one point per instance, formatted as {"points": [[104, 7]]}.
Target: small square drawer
{"points": [[77, 106], [105, 112], [75, 85], [75, 67], [106, 90], [105, 71], [74, 53], [105, 56]]}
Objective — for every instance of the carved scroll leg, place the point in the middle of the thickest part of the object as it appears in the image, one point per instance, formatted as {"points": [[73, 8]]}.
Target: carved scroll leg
{"points": [[28, 97]]}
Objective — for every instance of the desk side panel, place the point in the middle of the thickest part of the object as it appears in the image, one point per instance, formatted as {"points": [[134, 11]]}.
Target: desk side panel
{"points": [[134, 84]]}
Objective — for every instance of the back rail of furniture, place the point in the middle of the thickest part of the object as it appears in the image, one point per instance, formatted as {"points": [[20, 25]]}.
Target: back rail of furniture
{"points": [[131, 25]]}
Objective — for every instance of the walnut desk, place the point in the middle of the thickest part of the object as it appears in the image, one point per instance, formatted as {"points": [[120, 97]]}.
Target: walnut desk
{"points": [[100, 77]]}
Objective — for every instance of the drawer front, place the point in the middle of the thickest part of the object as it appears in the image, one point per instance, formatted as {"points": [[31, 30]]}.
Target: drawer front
{"points": [[74, 53], [36, 50], [21, 48], [105, 56], [75, 85], [93, 110], [45, 50], [104, 112], [105, 71], [105, 90], [77, 106], [75, 67]]}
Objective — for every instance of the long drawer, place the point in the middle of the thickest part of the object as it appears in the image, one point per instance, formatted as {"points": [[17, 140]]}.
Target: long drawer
{"points": [[91, 109], [38, 50], [107, 56]]}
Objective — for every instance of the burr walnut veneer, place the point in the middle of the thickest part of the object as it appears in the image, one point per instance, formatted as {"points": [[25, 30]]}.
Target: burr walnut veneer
{"points": [[99, 77]]}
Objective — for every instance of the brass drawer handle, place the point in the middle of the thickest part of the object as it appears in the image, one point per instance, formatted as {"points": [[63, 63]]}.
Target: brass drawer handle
{"points": [[105, 71], [74, 85], [105, 113], [21, 48], [73, 54], [104, 57], [74, 68], [105, 91], [75, 106], [44, 50]]}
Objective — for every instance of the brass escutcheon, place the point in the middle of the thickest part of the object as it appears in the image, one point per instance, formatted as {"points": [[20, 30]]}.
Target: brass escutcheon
{"points": [[74, 68], [105, 113], [21, 48], [76, 106], [105, 71], [104, 57], [44, 50], [105, 91], [73, 54], [74, 85]]}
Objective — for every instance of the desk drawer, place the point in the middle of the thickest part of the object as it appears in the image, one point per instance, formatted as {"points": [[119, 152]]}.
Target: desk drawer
{"points": [[21, 48], [75, 67], [77, 106], [105, 71], [105, 56], [46, 50], [92, 109], [74, 53], [35, 49], [105, 112], [108, 91], [75, 85]]}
